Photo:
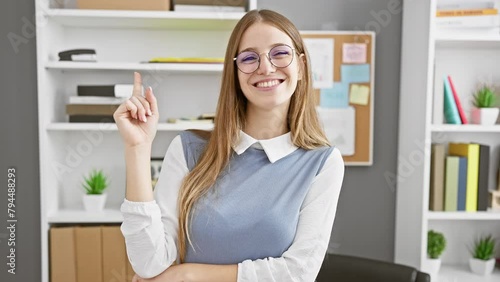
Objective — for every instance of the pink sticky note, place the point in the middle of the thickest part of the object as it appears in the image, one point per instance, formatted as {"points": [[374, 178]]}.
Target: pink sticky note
{"points": [[354, 53]]}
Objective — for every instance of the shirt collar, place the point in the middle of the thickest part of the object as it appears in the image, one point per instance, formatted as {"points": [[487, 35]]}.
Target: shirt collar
{"points": [[275, 148]]}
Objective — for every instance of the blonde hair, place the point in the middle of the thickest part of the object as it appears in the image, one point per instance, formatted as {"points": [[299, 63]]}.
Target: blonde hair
{"points": [[302, 119]]}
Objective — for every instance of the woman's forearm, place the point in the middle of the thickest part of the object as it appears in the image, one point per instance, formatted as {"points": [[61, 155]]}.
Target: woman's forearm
{"points": [[138, 173], [195, 272]]}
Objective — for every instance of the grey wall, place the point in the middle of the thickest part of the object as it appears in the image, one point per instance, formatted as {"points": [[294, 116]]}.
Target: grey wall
{"points": [[365, 219], [364, 225], [19, 140]]}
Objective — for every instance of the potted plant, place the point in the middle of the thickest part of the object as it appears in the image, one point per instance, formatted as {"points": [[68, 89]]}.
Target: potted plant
{"points": [[482, 261], [436, 244], [484, 111], [95, 185]]}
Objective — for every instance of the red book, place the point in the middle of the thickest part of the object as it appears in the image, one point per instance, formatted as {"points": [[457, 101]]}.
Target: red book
{"points": [[457, 102]]}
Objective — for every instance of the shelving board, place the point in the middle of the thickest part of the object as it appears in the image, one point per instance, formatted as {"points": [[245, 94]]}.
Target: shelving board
{"points": [[465, 128], [462, 273], [82, 216], [451, 40], [462, 215], [144, 19], [153, 67], [66, 126]]}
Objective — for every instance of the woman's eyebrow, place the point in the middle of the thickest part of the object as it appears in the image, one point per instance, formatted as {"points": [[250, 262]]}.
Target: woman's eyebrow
{"points": [[255, 49]]}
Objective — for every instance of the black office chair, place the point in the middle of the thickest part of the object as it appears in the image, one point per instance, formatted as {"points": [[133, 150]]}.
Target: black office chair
{"points": [[343, 268]]}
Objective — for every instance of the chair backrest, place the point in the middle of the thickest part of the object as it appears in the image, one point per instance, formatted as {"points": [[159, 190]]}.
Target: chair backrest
{"points": [[354, 269]]}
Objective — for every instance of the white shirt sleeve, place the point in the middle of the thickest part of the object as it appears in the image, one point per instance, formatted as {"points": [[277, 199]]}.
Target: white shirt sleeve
{"points": [[151, 228], [302, 261]]}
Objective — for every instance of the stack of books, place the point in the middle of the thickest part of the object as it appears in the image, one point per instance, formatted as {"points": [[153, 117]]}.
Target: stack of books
{"points": [[460, 15], [453, 110], [97, 103], [459, 177]]}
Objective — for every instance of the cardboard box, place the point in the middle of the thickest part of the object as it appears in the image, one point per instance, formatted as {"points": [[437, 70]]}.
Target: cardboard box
{"points": [[114, 256], [88, 254], [62, 254], [152, 5], [235, 3], [130, 271]]}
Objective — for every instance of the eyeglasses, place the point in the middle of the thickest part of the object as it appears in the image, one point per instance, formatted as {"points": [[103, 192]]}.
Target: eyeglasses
{"points": [[280, 56]]}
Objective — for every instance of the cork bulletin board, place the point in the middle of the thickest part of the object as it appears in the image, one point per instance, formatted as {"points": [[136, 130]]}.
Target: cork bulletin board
{"points": [[359, 103]]}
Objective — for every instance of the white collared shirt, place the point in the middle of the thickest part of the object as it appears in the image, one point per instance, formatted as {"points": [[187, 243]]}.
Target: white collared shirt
{"points": [[151, 228]]}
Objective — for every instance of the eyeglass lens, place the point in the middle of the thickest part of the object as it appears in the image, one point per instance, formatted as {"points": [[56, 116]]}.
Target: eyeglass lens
{"points": [[280, 56]]}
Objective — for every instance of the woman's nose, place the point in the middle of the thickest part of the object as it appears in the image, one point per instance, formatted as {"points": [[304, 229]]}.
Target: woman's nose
{"points": [[265, 66]]}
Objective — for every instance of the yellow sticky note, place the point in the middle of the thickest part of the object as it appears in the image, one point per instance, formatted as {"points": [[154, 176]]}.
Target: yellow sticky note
{"points": [[359, 94]]}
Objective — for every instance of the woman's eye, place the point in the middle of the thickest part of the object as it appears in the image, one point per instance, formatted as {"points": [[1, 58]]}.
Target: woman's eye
{"points": [[249, 58], [280, 53]]}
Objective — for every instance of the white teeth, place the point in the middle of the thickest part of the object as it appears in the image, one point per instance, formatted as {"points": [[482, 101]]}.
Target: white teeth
{"points": [[268, 83]]}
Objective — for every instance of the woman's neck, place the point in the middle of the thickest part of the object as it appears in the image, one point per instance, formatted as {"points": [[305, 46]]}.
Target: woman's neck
{"points": [[263, 125]]}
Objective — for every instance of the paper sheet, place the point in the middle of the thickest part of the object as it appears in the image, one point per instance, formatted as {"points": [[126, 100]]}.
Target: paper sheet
{"points": [[355, 73], [321, 54], [359, 94], [354, 53], [335, 97], [339, 126]]}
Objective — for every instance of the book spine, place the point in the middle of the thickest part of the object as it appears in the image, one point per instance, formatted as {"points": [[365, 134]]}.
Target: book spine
{"points": [[486, 21], [451, 183], [92, 118], [450, 108], [466, 13], [462, 183], [92, 90], [436, 200], [77, 109], [482, 186], [461, 112]]}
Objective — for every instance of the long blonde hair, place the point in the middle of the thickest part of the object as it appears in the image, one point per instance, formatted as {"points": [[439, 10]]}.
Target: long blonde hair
{"points": [[302, 119]]}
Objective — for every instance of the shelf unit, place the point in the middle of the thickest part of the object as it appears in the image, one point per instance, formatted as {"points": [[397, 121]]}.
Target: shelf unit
{"points": [[122, 40], [428, 55], [118, 66]]}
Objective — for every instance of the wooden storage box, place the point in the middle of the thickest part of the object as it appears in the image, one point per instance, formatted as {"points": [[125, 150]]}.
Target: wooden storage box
{"points": [[152, 5]]}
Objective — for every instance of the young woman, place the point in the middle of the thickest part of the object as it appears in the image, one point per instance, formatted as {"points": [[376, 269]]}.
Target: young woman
{"points": [[253, 200]]}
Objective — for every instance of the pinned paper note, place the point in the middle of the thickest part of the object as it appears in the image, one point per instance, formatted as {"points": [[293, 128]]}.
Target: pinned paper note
{"points": [[355, 73], [359, 94], [321, 55], [335, 97], [339, 126], [354, 53]]}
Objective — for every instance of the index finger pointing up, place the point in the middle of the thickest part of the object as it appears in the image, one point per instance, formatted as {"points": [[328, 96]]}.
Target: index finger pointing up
{"points": [[137, 84]]}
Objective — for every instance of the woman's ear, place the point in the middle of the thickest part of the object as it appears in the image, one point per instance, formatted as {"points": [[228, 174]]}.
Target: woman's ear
{"points": [[302, 66]]}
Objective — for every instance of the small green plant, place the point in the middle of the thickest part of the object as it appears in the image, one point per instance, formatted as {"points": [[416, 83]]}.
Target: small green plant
{"points": [[95, 183], [485, 97], [436, 243], [484, 248]]}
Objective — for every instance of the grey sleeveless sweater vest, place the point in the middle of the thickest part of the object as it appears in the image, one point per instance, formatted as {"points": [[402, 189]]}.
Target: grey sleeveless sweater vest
{"points": [[252, 210]]}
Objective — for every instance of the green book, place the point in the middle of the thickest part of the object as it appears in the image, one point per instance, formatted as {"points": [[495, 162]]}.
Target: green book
{"points": [[451, 183]]}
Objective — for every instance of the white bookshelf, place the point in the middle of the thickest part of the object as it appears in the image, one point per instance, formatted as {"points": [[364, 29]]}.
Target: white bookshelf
{"points": [[428, 55], [121, 66], [454, 273], [462, 215], [65, 126], [465, 128], [122, 40], [80, 216], [144, 19]]}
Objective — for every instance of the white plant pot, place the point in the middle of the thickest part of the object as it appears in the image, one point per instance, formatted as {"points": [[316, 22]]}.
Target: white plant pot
{"points": [[433, 266], [482, 267], [94, 203], [484, 116]]}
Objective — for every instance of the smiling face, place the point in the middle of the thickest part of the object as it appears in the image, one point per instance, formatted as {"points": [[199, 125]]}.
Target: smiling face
{"points": [[268, 88]]}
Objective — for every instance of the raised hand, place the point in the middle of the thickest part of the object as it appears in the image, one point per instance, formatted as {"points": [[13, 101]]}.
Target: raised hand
{"points": [[137, 118]]}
